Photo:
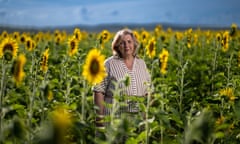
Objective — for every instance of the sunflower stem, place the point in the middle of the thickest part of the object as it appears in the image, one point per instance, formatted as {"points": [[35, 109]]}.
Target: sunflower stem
{"points": [[214, 65], [31, 97], [147, 115], [229, 68], [181, 79], [1, 95], [83, 102]]}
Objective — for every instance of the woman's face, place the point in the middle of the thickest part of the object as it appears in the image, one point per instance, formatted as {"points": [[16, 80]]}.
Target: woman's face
{"points": [[126, 47]]}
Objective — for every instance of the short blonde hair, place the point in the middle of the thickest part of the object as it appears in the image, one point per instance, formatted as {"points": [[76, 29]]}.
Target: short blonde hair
{"points": [[118, 38]]}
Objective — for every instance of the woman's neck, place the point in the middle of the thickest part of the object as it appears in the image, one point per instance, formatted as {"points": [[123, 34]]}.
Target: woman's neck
{"points": [[129, 62]]}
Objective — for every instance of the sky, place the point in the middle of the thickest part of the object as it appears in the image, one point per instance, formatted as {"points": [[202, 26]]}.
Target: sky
{"points": [[42, 13]]}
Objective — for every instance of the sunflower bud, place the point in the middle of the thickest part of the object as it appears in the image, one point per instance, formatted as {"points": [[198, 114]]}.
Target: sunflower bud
{"points": [[127, 80]]}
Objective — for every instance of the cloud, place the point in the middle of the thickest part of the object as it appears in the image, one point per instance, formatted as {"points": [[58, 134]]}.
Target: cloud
{"points": [[84, 13], [3, 14], [114, 13]]}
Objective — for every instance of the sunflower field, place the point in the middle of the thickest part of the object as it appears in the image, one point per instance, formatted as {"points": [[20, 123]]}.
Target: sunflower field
{"points": [[46, 81]]}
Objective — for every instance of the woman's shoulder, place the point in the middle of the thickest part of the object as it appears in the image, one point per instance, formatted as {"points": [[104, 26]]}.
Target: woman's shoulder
{"points": [[111, 59], [140, 60]]}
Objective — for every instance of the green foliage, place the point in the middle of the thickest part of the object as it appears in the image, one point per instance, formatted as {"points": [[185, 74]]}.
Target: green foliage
{"points": [[185, 105]]}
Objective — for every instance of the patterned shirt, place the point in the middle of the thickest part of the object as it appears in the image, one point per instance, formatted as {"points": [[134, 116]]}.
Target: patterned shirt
{"points": [[117, 72]]}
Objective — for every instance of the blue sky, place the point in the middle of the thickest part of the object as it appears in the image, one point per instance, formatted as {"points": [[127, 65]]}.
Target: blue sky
{"points": [[41, 13]]}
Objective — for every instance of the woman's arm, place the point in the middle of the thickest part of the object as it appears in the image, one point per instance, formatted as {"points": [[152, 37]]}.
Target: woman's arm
{"points": [[99, 102]]}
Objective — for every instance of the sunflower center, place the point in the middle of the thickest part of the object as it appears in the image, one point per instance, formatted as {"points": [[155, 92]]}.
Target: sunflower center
{"points": [[94, 67], [22, 39], [77, 36], [151, 47], [105, 35], [8, 47], [164, 57], [28, 44], [72, 45]]}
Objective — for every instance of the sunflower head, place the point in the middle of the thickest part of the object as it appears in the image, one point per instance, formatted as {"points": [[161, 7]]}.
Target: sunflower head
{"points": [[233, 31], [218, 37], [163, 59], [77, 34], [163, 56], [44, 60], [8, 48], [157, 30], [144, 37], [30, 44], [228, 92], [62, 121], [58, 39], [225, 41], [4, 34], [18, 69], [93, 69], [136, 34], [72, 46], [38, 37], [23, 38], [178, 36], [48, 94], [151, 48], [16, 35], [104, 37], [61, 117]]}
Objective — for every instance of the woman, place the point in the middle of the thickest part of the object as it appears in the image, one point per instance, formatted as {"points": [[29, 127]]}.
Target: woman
{"points": [[124, 63]]}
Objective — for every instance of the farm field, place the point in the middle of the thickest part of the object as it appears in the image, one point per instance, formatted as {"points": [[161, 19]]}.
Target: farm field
{"points": [[46, 81]]}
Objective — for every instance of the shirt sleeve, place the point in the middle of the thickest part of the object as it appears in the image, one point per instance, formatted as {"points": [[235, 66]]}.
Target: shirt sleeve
{"points": [[148, 77], [147, 73]]}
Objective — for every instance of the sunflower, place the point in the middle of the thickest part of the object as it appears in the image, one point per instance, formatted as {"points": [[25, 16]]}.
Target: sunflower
{"points": [[158, 30], [93, 69], [48, 94], [38, 37], [58, 39], [188, 34], [104, 37], [77, 34], [233, 31], [137, 35], [163, 58], [4, 34], [195, 39], [62, 119], [225, 41], [220, 120], [144, 37], [218, 37], [57, 32], [151, 48], [178, 36], [8, 48], [228, 92], [18, 72], [72, 46], [16, 35], [44, 61], [23, 38], [30, 44]]}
